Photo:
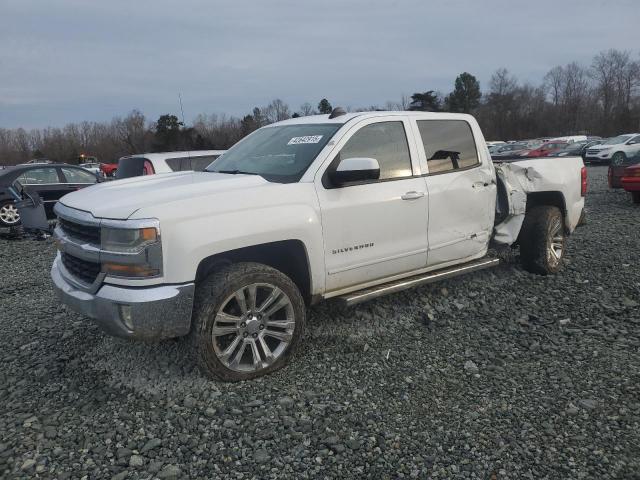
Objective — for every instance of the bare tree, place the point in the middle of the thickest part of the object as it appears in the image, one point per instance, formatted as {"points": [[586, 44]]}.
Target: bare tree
{"points": [[307, 109], [276, 111]]}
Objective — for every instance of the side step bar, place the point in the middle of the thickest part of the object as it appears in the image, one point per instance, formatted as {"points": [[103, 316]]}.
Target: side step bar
{"points": [[360, 296]]}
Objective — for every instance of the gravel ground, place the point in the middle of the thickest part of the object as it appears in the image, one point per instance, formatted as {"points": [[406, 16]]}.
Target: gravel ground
{"points": [[500, 374]]}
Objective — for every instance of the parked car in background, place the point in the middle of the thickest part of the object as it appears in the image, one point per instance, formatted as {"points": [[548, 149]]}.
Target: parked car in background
{"points": [[37, 161], [510, 150], [165, 162], [574, 149], [93, 167], [615, 150], [109, 169], [546, 149], [50, 181], [631, 182], [616, 172], [571, 138]]}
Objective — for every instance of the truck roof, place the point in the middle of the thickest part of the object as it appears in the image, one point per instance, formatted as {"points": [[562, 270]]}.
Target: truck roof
{"points": [[364, 115]]}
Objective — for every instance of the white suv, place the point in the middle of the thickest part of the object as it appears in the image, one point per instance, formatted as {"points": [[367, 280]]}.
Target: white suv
{"points": [[165, 162], [615, 150]]}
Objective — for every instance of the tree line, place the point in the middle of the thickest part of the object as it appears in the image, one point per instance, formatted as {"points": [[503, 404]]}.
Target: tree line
{"points": [[602, 99]]}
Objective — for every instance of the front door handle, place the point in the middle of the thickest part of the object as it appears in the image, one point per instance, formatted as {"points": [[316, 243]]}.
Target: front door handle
{"points": [[412, 195]]}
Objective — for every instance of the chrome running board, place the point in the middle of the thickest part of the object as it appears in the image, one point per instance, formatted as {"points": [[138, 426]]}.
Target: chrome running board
{"points": [[360, 296]]}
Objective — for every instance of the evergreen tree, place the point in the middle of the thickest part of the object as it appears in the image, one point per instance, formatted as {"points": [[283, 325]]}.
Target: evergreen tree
{"points": [[167, 134], [426, 102], [324, 107], [466, 94]]}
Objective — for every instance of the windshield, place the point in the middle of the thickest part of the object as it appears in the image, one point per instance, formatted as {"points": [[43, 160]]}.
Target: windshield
{"points": [[617, 140], [280, 154]]}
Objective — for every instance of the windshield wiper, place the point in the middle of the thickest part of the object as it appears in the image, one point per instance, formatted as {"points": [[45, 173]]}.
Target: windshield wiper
{"points": [[234, 172]]}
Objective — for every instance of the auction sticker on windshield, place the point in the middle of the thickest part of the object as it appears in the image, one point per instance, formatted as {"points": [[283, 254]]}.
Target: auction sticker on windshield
{"points": [[307, 139]]}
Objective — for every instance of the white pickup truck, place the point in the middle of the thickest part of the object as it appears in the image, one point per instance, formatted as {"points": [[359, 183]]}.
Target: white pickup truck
{"points": [[347, 205]]}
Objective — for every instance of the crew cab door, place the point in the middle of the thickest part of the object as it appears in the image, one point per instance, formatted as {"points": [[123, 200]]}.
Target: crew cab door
{"points": [[462, 190], [377, 228]]}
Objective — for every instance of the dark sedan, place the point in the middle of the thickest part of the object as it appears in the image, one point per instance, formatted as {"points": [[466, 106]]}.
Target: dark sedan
{"points": [[576, 149], [50, 181], [509, 151]]}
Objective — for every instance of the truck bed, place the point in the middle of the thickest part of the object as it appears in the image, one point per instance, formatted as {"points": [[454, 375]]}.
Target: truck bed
{"points": [[522, 179]]}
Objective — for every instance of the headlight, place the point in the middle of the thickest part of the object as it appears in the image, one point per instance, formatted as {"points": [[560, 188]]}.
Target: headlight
{"points": [[131, 252], [127, 240]]}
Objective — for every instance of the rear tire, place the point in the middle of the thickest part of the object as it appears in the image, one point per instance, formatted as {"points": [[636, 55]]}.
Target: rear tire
{"points": [[542, 240], [9, 216], [248, 318], [635, 197]]}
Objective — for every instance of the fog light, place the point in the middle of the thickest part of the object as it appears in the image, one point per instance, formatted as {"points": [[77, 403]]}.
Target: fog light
{"points": [[125, 316]]}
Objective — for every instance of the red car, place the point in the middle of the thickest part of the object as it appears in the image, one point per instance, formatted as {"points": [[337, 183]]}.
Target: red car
{"points": [[109, 169], [546, 149], [631, 182], [616, 172]]}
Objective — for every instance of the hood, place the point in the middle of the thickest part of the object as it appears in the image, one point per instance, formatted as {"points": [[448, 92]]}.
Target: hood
{"points": [[122, 198]]}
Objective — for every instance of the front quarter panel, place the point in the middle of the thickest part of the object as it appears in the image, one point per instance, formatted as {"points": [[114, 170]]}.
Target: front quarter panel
{"points": [[195, 229]]}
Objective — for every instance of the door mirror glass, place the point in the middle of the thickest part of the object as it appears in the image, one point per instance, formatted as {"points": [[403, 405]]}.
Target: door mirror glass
{"points": [[356, 169]]}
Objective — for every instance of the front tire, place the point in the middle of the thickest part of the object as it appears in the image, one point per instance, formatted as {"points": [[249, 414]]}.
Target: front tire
{"points": [[248, 318], [635, 197], [542, 240], [618, 159], [9, 216]]}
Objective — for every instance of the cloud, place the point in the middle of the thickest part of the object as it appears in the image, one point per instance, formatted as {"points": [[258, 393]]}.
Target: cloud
{"points": [[73, 60]]}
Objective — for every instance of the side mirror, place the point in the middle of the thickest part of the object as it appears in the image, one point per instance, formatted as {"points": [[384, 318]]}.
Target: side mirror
{"points": [[355, 170], [632, 142]]}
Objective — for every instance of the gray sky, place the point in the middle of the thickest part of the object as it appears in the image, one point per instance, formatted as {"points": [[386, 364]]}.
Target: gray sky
{"points": [[74, 60]]}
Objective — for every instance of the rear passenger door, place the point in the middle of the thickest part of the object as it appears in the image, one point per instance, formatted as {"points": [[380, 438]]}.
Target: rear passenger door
{"points": [[461, 190]]}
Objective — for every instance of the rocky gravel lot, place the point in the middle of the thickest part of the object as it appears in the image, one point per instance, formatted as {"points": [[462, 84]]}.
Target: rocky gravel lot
{"points": [[501, 374]]}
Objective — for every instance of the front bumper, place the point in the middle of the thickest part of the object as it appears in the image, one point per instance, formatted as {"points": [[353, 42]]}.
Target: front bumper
{"points": [[144, 313], [598, 159]]}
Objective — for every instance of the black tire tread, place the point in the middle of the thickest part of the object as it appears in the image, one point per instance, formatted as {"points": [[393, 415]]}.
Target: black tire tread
{"points": [[213, 290], [534, 237]]}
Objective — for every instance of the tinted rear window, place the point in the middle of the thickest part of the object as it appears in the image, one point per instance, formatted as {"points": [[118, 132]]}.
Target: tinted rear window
{"points": [[448, 144], [130, 167]]}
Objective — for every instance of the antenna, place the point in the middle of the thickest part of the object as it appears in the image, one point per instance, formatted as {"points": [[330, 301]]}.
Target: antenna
{"points": [[184, 124]]}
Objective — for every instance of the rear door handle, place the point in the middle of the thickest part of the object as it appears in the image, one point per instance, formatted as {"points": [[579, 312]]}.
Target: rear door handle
{"points": [[412, 195]]}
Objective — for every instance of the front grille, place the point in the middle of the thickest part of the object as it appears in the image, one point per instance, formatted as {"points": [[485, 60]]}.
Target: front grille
{"points": [[81, 269], [85, 233], [593, 151]]}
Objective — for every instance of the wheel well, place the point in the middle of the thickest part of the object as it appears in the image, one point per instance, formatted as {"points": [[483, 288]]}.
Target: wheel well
{"points": [[554, 199], [287, 256]]}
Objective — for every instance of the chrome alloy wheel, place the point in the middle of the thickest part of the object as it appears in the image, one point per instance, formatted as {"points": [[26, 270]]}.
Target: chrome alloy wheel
{"points": [[556, 242], [9, 214], [253, 327]]}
